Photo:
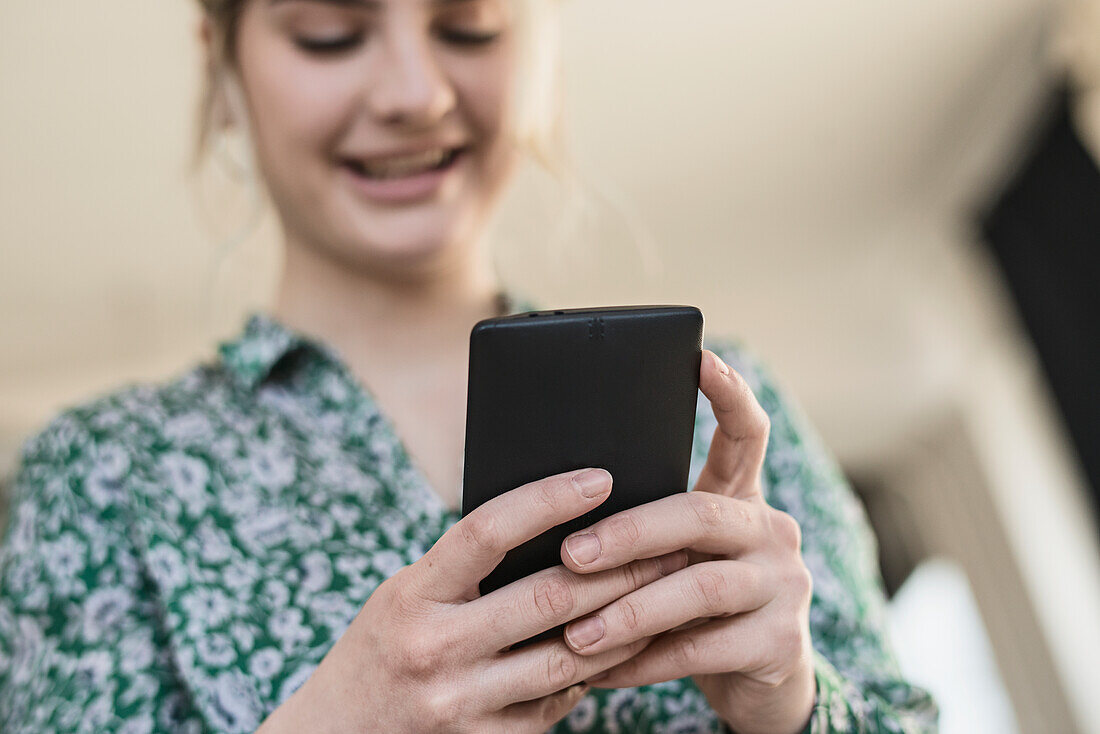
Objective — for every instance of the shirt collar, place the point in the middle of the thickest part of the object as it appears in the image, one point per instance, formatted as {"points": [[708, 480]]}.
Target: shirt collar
{"points": [[265, 341]]}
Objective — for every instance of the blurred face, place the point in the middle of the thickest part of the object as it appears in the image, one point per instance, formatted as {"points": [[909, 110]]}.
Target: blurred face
{"points": [[382, 127]]}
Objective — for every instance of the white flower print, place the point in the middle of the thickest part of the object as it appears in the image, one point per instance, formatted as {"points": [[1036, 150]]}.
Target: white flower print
{"points": [[266, 528], [271, 465], [136, 651], [103, 611], [353, 566], [344, 514], [275, 594], [206, 607], [234, 704], [331, 609], [189, 428], [387, 562], [622, 710], [166, 566], [295, 680], [65, 556], [214, 545], [244, 636], [216, 650], [96, 714], [105, 479], [583, 715], [240, 576], [93, 668], [317, 571], [286, 627], [141, 723], [265, 663], [265, 506], [187, 478]]}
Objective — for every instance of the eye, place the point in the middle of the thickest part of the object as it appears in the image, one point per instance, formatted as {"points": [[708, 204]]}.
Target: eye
{"points": [[461, 37], [329, 46]]}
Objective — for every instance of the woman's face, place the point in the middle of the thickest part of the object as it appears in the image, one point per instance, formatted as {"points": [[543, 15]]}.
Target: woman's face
{"points": [[382, 127]]}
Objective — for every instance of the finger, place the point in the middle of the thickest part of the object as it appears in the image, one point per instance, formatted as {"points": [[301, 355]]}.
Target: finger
{"points": [[711, 589], [542, 714], [556, 595], [699, 521], [737, 448], [476, 544], [734, 644], [540, 669]]}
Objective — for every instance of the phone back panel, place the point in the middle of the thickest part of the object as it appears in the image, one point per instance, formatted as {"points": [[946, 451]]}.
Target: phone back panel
{"points": [[553, 391]]}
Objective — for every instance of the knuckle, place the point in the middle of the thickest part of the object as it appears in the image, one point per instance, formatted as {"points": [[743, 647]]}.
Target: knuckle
{"points": [[802, 581], [630, 615], [790, 641], [786, 529], [761, 422], [708, 511], [418, 656], [634, 575], [481, 531], [443, 709], [771, 678], [552, 708], [561, 668], [709, 587], [625, 529], [684, 652], [549, 493], [553, 597]]}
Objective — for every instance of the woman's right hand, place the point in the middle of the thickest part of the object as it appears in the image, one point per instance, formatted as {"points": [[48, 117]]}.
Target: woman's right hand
{"points": [[426, 653]]}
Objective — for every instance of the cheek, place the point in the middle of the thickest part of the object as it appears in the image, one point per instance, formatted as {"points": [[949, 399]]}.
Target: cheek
{"points": [[296, 107], [485, 85]]}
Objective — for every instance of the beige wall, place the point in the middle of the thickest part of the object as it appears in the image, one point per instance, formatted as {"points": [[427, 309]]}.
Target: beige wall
{"points": [[802, 171], [793, 166]]}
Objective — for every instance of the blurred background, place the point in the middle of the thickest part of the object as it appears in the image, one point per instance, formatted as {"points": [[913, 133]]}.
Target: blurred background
{"points": [[895, 205]]}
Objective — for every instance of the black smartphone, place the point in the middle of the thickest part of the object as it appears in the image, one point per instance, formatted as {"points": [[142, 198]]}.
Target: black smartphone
{"points": [[552, 391]]}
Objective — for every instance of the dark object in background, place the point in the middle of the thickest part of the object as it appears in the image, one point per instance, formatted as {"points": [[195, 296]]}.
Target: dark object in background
{"points": [[1044, 231]]}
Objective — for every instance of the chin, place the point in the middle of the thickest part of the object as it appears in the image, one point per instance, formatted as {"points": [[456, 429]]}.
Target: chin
{"points": [[407, 257]]}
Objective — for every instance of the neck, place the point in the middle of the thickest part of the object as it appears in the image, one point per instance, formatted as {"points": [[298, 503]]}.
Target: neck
{"points": [[380, 322]]}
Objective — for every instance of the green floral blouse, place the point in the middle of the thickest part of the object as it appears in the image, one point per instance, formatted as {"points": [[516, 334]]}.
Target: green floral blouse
{"points": [[180, 556]]}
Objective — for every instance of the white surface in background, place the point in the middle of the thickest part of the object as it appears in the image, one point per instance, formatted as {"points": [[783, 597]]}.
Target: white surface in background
{"points": [[941, 645]]}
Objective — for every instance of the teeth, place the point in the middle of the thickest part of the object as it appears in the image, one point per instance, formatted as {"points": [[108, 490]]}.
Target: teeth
{"points": [[404, 165]]}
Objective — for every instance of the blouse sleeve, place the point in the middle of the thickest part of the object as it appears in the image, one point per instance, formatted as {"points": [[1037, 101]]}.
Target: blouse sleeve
{"points": [[81, 647], [859, 685]]}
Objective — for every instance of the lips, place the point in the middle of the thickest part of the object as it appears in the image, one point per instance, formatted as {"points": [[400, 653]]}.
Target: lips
{"points": [[405, 179], [403, 166]]}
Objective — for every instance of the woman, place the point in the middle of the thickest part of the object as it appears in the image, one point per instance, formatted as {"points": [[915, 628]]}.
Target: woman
{"points": [[272, 541]]}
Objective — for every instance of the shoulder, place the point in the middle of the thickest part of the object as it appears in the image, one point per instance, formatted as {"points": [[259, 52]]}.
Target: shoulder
{"points": [[86, 451]]}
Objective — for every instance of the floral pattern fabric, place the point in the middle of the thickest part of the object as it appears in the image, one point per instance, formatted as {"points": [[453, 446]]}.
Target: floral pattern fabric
{"points": [[180, 556]]}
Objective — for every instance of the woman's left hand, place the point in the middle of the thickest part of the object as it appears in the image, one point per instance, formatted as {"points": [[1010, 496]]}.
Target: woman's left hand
{"points": [[736, 618]]}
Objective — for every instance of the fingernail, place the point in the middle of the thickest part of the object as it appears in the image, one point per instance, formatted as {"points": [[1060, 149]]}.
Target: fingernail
{"points": [[593, 482], [722, 366], [585, 632], [583, 549]]}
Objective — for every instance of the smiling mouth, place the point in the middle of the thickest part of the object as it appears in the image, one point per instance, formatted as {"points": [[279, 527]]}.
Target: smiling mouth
{"points": [[404, 166]]}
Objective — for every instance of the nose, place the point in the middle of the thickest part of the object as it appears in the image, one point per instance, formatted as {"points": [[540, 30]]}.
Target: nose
{"points": [[409, 88]]}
